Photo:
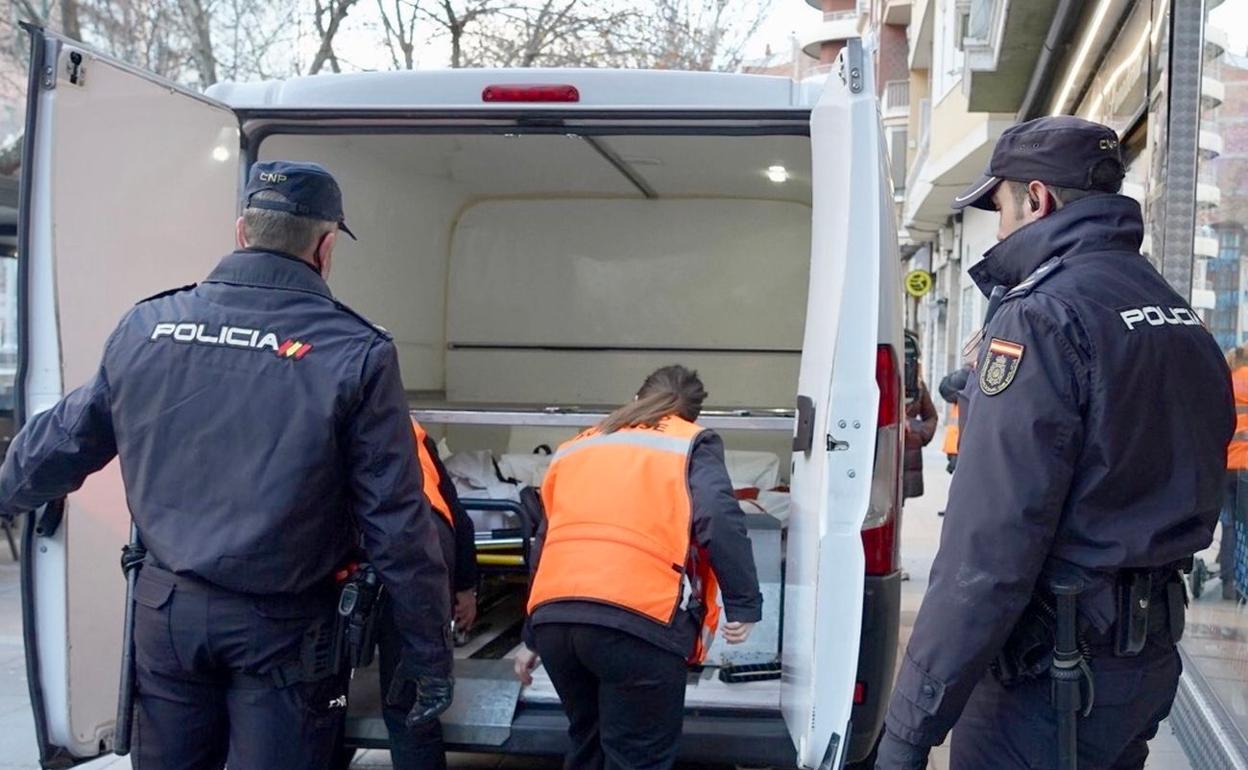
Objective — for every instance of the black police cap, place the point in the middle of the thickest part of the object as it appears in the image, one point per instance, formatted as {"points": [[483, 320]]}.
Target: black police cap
{"points": [[1062, 151], [309, 189]]}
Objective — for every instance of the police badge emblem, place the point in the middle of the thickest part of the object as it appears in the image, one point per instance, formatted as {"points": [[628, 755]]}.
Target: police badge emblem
{"points": [[999, 365]]}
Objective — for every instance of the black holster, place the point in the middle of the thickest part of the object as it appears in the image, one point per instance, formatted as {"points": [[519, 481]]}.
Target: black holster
{"points": [[359, 604]]}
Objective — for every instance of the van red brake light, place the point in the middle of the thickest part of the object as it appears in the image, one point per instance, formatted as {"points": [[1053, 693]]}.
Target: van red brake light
{"points": [[531, 93], [888, 379]]}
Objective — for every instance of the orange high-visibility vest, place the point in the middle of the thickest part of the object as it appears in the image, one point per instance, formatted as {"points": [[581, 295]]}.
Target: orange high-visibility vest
{"points": [[429, 475], [619, 526], [951, 433], [1237, 451]]}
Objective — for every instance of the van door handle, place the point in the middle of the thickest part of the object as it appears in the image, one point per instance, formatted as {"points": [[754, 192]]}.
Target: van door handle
{"points": [[804, 438], [50, 518]]}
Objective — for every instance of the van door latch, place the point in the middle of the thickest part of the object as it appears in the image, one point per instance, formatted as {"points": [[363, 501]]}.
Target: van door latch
{"points": [[834, 445]]}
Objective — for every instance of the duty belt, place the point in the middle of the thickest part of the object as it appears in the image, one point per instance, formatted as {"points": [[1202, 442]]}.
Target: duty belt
{"points": [[1150, 604]]}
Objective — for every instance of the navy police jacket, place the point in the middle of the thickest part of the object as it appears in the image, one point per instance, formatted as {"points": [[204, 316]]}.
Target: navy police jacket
{"points": [[260, 426], [1095, 441]]}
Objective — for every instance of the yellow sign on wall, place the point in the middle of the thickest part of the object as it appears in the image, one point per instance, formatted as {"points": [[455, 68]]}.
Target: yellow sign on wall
{"points": [[918, 283]]}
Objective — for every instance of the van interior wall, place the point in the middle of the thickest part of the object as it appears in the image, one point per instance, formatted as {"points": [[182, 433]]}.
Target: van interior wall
{"points": [[568, 288]]}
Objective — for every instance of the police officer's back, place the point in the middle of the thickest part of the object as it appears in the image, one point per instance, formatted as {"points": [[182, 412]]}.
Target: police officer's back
{"points": [[262, 432], [1092, 455]]}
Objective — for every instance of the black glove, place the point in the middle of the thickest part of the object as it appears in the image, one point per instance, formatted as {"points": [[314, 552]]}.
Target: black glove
{"points": [[434, 696], [896, 754], [424, 697]]}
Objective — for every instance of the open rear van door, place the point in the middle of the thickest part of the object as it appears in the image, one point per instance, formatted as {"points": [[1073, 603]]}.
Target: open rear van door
{"points": [[129, 188], [838, 403]]}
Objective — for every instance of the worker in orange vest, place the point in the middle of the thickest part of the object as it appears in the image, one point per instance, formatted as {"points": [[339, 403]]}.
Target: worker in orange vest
{"points": [[950, 388], [421, 747], [641, 522], [1235, 511]]}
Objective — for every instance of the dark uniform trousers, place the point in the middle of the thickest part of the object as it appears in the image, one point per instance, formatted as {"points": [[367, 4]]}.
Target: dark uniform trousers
{"points": [[207, 693], [1015, 728], [624, 697]]}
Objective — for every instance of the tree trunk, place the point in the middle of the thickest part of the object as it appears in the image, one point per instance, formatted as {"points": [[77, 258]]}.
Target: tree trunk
{"points": [[325, 54], [201, 38], [69, 19]]}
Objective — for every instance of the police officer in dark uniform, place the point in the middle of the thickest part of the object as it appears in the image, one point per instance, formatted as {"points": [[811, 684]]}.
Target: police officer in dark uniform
{"points": [[1092, 458], [262, 431]]}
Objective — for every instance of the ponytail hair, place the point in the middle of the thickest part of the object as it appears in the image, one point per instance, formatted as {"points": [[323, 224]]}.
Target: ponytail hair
{"points": [[672, 390]]}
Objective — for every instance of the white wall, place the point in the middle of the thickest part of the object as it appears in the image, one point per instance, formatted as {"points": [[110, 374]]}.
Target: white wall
{"points": [[717, 274]]}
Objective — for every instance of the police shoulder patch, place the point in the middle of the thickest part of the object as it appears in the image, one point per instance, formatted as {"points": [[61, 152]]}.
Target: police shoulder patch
{"points": [[1037, 277], [999, 365], [167, 292]]}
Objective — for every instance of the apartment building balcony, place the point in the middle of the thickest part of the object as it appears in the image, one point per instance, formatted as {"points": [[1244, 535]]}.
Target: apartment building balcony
{"points": [[1002, 40], [895, 106], [1210, 144], [1205, 246], [1212, 92], [835, 27], [1208, 196], [953, 151], [896, 12], [920, 33]]}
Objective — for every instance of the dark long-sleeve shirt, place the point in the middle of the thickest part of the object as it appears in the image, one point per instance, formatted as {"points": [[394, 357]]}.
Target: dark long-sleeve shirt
{"points": [[462, 557], [719, 527]]}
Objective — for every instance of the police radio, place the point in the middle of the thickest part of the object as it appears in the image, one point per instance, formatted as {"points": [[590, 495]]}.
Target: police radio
{"points": [[359, 601]]}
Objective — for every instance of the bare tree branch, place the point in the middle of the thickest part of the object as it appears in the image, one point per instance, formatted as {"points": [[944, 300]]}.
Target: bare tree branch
{"points": [[400, 28], [327, 29], [199, 28]]}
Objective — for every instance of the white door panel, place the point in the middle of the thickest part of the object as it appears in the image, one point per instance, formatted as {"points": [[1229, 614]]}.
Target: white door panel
{"points": [[134, 191], [831, 488]]}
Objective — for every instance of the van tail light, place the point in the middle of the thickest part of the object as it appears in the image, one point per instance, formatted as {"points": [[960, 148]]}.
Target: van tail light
{"points": [[860, 693], [880, 543], [531, 93]]}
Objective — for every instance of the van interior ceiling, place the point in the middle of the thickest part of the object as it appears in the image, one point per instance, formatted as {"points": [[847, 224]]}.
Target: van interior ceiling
{"points": [[547, 274]]}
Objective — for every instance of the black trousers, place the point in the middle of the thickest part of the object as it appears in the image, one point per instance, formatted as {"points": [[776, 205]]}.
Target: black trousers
{"points": [[624, 697], [1016, 728], [207, 694], [411, 748]]}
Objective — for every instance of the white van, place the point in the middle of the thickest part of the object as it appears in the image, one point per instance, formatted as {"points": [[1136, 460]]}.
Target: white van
{"points": [[536, 241]]}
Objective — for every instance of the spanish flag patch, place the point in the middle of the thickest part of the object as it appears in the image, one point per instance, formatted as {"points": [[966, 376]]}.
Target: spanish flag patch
{"points": [[999, 365]]}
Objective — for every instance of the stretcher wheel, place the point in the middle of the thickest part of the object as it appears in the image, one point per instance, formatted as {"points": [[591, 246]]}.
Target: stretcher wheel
{"points": [[1196, 580]]}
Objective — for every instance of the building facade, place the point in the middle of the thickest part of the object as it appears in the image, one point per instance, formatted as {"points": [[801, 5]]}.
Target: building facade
{"points": [[1164, 75]]}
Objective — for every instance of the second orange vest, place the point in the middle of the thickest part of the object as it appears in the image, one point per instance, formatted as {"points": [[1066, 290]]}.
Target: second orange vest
{"points": [[1237, 451], [429, 475], [619, 526], [951, 432]]}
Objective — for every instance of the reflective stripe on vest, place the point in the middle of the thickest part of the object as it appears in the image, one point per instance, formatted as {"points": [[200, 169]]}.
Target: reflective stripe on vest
{"points": [[951, 433], [1237, 451], [429, 476], [618, 526]]}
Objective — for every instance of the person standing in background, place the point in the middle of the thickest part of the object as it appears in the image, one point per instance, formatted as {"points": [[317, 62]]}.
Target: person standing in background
{"points": [[920, 430]]}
